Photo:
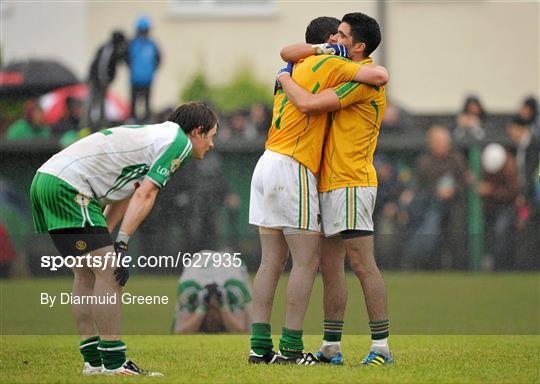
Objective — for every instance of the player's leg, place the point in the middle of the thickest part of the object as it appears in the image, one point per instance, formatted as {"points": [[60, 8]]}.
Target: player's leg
{"points": [[304, 246], [83, 285], [332, 268], [301, 214], [107, 317], [359, 247], [348, 212], [274, 254], [55, 209], [76, 242]]}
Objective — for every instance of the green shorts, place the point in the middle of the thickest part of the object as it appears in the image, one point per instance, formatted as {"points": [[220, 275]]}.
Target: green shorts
{"points": [[57, 205]]}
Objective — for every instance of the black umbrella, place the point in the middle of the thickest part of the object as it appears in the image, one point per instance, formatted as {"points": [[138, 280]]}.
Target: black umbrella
{"points": [[32, 78]]}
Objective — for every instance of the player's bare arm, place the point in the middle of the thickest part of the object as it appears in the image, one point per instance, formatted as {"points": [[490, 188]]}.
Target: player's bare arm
{"points": [[372, 74], [114, 212], [140, 205], [189, 322], [368, 73], [233, 322], [325, 101], [296, 52]]}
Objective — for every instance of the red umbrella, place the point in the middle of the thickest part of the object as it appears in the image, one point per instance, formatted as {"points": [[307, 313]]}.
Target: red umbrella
{"points": [[54, 103]]}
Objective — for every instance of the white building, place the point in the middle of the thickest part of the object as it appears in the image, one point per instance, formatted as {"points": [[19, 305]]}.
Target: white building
{"points": [[437, 51]]}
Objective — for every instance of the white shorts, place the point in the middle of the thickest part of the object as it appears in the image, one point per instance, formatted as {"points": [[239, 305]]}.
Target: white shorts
{"points": [[347, 208], [283, 194]]}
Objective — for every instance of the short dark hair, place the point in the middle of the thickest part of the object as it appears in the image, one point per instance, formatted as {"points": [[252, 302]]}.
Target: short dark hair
{"points": [[364, 29], [472, 99], [192, 115], [319, 30]]}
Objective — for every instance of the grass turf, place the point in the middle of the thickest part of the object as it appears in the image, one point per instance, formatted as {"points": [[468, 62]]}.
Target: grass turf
{"points": [[496, 311], [222, 359]]}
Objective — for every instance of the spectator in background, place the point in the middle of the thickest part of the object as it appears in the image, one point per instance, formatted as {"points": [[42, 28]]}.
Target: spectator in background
{"points": [[240, 128], [385, 215], [396, 119], [529, 113], [31, 126], [261, 117], [469, 123], [213, 297], [71, 119], [102, 74], [201, 200], [144, 60], [436, 206], [528, 160], [499, 189]]}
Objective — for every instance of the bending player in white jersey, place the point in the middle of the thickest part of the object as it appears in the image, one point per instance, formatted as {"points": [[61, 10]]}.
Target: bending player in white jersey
{"points": [[121, 169]]}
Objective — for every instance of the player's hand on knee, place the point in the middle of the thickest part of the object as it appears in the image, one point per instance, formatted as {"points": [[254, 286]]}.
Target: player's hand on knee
{"points": [[121, 273]]}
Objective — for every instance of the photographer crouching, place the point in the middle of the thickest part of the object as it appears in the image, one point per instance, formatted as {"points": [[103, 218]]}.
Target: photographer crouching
{"points": [[213, 298]]}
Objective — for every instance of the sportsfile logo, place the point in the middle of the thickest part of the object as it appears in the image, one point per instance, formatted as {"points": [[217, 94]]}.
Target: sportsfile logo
{"points": [[53, 263], [110, 260]]}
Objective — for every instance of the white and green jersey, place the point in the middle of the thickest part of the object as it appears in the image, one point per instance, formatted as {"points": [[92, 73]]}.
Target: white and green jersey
{"points": [[108, 165]]}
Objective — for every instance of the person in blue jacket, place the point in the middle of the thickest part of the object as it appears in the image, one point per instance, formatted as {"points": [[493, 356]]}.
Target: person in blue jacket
{"points": [[144, 59]]}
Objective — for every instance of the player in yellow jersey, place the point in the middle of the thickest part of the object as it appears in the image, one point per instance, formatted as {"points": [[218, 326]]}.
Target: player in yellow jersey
{"points": [[284, 200], [348, 188]]}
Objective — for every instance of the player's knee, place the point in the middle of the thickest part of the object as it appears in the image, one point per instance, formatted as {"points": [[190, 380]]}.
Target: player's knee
{"points": [[84, 277], [310, 262], [360, 268], [106, 275], [274, 263]]}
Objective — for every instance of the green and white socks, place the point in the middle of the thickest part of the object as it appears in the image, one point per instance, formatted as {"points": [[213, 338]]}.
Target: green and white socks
{"points": [[113, 353], [331, 346], [89, 351], [290, 342], [97, 352], [379, 336]]}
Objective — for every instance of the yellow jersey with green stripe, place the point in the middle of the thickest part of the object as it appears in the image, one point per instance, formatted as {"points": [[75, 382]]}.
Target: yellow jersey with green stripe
{"points": [[348, 151], [294, 133]]}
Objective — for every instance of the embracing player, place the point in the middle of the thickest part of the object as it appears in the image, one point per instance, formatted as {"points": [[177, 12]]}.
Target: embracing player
{"points": [[121, 169], [284, 202], [348, 188]]}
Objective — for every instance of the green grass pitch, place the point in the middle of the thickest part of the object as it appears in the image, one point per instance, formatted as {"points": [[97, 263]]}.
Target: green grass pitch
{"points": [[446, 328]]}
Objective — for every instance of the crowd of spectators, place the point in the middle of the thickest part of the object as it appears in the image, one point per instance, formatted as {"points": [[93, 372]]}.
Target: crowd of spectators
{"points": [[424, 221]]}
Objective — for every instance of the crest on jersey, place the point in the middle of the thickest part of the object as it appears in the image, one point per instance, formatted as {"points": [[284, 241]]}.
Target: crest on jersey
{"points": [[82, 200], [80, 245], [175, 164]]}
